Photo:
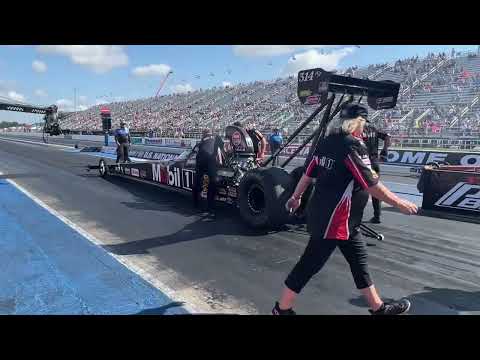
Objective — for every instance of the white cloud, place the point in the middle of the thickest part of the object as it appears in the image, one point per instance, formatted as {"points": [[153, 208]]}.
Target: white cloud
{"points": [[6, 91], [271, 50], [41, 93], [68, 105], [101, 102], [152, 70], [226, 83], [39, 66], [13, 95], [64, 103], [99, 58], [313, 59], [182, 88]]}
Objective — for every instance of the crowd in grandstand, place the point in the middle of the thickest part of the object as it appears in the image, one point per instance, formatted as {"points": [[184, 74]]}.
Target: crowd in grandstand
{"points": [[438, 92]]}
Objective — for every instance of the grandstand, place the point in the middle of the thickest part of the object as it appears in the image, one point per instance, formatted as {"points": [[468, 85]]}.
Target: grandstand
{"points": [[439, 97]]}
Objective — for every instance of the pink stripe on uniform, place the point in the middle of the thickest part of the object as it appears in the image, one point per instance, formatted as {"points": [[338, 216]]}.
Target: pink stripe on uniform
{"points": [[355, 172], [311, 166]]}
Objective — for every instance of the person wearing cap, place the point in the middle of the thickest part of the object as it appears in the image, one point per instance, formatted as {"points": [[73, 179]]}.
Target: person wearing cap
{"points": [[209, 156], [122, 138], [371, 135], [344, 180], [276, 141]]}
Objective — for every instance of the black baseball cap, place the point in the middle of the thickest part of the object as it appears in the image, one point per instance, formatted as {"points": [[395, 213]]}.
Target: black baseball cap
{"points": [[351, 111]]}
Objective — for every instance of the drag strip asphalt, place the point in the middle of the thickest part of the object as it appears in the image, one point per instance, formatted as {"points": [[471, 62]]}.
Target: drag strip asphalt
{"points": [[220, 266]]}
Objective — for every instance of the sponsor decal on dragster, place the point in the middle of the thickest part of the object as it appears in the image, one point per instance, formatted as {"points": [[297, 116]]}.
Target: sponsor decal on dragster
{"points": [[314, 99], [232, 192], [173, 176], [126, 170], [237, 141], [143, 174], [152, 155], [462, 196], [305, 93], [135, 172]]}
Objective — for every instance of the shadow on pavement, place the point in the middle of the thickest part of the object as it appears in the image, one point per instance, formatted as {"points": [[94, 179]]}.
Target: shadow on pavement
{"points": [[162, 309], [436, 301], [453, 299], [203, 227], [151, 197]]}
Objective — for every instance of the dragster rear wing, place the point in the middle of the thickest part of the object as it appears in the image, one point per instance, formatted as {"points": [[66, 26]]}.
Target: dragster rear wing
{"points": [[315, 84], [314, 87]]}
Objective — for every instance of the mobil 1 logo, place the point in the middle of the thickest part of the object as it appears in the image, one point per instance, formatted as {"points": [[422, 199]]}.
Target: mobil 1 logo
{"points": [[173, 176], [462, 196]]}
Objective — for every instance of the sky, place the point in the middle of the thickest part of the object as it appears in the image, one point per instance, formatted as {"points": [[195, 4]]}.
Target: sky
{"points": [[80, 76]]}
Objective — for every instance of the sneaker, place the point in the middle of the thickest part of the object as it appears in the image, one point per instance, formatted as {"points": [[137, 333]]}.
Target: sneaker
{"points": [[375, 220], [277, 311], [393, 308]]}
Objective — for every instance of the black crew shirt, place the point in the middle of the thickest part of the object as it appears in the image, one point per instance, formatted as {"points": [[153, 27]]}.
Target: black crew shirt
{"points": [[371, 135], [208, 148], [343, 171], [256, 137]]}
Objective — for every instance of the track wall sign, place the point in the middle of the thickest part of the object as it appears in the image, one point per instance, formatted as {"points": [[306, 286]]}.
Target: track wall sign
{"points": [[411, 157], [452, 191]]}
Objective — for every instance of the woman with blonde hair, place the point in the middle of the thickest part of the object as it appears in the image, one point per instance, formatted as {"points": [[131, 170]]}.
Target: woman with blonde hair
{"points": [[344, 180]]}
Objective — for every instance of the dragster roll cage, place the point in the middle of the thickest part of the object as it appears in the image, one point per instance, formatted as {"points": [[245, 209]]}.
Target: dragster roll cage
{"points": [[315, 86]]}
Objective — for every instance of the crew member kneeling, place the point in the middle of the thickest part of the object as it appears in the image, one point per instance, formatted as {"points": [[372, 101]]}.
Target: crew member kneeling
{"points": [[208, 156], [344, 181]]}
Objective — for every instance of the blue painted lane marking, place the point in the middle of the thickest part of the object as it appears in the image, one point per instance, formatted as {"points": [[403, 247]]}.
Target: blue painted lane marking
{"points": [[49, 268]]}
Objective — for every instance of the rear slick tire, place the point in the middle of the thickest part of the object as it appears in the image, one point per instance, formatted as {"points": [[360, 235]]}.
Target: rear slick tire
{"points": [[263, 193]]}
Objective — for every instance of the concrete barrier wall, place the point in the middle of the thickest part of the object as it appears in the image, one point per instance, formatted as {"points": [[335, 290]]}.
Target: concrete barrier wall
{"points": [[174, 146]]}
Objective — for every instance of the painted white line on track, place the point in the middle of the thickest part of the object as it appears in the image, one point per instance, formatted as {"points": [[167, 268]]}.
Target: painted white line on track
{"points": [[126, 262], [34, 142], [192, 295]]}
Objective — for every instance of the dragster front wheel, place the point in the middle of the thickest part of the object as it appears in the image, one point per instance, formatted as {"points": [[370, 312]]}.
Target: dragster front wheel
{"points": [[102, 168]]}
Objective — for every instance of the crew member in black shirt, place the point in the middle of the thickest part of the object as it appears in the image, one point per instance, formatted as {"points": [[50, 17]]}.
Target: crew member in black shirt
{"points": [[371, 135], [209, 155], [344, 180], [259, 142]]}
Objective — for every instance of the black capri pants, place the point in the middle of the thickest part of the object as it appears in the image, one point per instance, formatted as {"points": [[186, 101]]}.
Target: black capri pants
{"points": [[317, 253]]}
